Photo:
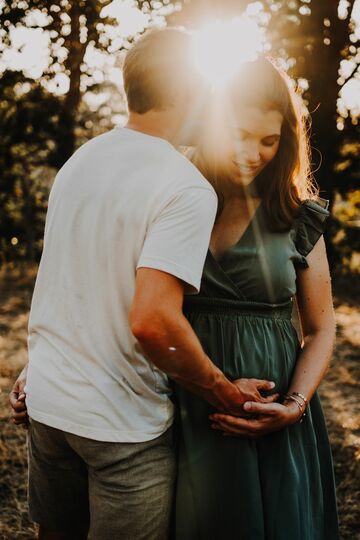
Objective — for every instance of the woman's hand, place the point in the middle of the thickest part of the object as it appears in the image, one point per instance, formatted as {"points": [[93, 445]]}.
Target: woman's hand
{"points": [[266, 418], [17, 400]]}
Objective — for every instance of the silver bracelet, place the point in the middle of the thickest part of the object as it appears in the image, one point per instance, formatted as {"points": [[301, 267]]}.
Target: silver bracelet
{"points": [[302, 407], [301, 396]]}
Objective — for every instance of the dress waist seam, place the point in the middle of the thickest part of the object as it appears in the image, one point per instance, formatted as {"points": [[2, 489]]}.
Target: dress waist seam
{"points": [[193, 304]]}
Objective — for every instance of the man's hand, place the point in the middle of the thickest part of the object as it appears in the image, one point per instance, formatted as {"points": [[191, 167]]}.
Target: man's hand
{"points": [[250, 390], [157, 322], [17, 400], [236, 393], [265, 418]]}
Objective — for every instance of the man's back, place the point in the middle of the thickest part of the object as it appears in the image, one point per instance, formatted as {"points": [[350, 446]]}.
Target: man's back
{"points": [[114, 207]]}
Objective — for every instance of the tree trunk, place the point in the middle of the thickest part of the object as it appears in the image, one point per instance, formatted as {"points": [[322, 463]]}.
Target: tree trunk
{"points": [[67, 122]]}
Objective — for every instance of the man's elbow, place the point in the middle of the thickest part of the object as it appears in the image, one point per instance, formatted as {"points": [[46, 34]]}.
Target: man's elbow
{"points": [[146, 329]]}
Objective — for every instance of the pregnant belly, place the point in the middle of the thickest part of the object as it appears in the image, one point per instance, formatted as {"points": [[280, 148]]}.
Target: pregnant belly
{"points": [[249, 346]]}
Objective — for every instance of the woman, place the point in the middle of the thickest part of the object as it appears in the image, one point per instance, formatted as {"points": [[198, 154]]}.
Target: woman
{"points": [[271, 477]]}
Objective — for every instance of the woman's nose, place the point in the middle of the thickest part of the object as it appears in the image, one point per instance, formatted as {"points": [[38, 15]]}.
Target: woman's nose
{"points": [[248, 151], [252, 153]]}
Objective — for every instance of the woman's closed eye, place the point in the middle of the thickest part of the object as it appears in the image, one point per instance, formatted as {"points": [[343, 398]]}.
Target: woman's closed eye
{"points": [[270, 141]]}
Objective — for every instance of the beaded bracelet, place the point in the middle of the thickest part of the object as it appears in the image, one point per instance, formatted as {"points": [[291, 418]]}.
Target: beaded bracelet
{"points": [[301, 396], [302, 407]]}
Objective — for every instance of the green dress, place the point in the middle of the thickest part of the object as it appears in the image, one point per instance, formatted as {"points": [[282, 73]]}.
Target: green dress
{"points": [[281, 486]]}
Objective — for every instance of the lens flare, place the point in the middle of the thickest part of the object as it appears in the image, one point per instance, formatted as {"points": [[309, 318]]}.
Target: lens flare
{"points": [[221, 46]]}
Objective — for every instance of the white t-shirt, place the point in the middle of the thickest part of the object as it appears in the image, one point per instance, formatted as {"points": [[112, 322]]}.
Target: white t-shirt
{"points": [[124, 200]]}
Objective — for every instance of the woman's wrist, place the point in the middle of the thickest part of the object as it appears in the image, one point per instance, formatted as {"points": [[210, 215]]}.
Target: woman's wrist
{"points": [[296, 411]]}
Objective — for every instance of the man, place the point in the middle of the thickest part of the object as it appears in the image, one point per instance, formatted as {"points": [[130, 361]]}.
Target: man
{"points": [[128, 226]]}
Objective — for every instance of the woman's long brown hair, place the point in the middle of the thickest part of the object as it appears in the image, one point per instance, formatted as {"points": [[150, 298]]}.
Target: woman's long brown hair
{"points": [[287, 179]]}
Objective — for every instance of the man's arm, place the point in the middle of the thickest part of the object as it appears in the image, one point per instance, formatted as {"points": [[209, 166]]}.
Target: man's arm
{"points": [[169, 342]]}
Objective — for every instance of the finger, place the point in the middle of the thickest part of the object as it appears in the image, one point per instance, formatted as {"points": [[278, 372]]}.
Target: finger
{"points": [[264, 385], [226, 429], [261, 408], [253, 429], [18, 406], [240, 414], [20, 417], [20, 414], [219, 415], [233, 422], [238, 431], [20, 420], [228, 420], [271, 399], [13, 397]]}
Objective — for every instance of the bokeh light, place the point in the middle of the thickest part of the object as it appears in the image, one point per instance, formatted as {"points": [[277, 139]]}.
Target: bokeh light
{"points": [[221, 46]]}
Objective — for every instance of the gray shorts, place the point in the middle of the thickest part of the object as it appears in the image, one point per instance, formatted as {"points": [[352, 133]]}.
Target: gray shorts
{"points": [[119, 491]]}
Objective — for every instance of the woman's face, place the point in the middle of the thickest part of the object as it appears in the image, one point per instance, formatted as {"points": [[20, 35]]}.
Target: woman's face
{"points": [[255, 141]]}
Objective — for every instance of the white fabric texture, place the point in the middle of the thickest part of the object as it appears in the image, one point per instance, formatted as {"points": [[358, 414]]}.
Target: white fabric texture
{"points": [[124, 200]]}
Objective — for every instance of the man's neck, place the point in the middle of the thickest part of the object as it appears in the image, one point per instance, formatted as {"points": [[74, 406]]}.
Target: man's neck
{"points": [[163, 124]]}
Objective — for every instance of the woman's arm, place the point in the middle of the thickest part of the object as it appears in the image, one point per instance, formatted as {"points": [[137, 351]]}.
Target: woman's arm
{"points": [[318, 325], [317, 321]]}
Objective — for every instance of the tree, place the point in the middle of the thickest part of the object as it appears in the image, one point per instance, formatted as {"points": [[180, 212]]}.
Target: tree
{"points": [[317, 35], [28, 123], [74, 27], [312, 37], [42, 127]]}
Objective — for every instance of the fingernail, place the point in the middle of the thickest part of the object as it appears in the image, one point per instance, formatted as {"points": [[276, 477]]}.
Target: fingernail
{"points": [[21, 396], [247, 406], [272, 384]]}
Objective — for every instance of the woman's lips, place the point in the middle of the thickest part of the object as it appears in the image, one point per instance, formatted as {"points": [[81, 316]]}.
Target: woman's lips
{"points": [[248, 169]]}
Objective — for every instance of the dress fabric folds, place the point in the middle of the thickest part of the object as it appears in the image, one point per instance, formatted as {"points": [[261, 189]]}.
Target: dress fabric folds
{"points": [[280, 486]]}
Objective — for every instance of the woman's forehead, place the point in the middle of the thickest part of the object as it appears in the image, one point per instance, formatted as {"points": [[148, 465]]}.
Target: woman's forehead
{"points": [[257, 120]]}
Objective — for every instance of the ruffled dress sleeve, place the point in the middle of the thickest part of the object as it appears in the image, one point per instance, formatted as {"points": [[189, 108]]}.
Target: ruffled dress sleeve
{"points": [[308, 227]]}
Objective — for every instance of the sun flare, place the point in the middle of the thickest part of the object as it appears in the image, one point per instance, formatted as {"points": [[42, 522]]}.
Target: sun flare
{"points": [[221, 46]]}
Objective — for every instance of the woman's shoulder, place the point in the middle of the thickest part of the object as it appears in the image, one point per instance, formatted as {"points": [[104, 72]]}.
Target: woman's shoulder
{"points": [[309, 224]]}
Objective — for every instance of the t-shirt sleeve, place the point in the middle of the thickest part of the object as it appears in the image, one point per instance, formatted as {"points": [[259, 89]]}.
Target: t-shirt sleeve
{"points": [[178, 239]]}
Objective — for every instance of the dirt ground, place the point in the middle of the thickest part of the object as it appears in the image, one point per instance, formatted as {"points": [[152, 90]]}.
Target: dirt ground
{"points": [[339, 392]]}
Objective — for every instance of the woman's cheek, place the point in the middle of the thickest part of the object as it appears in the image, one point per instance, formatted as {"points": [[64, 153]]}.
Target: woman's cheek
{"points": [[268, 155]]}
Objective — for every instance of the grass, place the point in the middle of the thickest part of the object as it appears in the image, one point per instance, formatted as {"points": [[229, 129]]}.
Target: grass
{"points": [[339, 392]]}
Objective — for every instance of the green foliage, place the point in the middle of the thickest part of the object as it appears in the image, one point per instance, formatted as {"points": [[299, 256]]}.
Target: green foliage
{"points": [[72, 27], [28, 122], [40, 130]]}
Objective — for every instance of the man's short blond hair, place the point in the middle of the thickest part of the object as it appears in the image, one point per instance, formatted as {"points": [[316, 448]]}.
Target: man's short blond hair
{"points": [[158, 70]]}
